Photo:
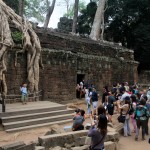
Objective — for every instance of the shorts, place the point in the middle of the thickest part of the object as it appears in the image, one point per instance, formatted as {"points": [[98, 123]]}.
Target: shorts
{"points": [[95, 104], [24, 97]]}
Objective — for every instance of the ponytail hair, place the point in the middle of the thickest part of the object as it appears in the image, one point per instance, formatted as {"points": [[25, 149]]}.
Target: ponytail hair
{"points": [[102, 124]]}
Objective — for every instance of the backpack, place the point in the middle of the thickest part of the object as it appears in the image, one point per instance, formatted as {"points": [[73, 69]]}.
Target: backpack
{"points": [[140, 112]]}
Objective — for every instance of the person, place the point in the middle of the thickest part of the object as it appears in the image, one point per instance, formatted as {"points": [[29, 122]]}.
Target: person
{"points": [[124, 95], [94, 99], [24, 93], [98, 133], [148, 93], [124, 110], [148, 107], [118, 97], [141, 115], [110, 105], [144, 95], [101, 110], [78, 91], [126, 87], [134, 104], [122, 88], [105, 96], [78, 120], [88, 101]]}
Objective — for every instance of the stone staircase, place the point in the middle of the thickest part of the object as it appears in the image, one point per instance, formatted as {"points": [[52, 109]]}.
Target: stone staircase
{"points": [[35, 114]]}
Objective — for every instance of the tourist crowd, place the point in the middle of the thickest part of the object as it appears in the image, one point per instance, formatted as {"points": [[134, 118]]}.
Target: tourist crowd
{"points": [[130, 103]]}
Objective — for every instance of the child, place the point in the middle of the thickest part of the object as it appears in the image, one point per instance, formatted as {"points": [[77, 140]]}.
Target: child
{"points": [[24, 93]]}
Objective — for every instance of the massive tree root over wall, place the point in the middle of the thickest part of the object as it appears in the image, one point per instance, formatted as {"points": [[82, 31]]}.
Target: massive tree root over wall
{"points": [[31, 44]]}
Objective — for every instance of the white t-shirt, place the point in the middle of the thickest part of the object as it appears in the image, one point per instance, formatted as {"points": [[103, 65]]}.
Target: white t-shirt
{"points": [[125, 95], [86, 93]]}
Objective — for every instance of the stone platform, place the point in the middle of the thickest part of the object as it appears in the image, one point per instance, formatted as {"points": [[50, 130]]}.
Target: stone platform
{"points": [[34, 114]]}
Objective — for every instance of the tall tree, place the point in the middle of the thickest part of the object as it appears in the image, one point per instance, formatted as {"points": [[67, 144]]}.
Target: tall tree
{"points": [[31, 44], [96, 27], [70, 12], [86, 18], [74, 26], [35, 10], [21, 7], [49, 13]]}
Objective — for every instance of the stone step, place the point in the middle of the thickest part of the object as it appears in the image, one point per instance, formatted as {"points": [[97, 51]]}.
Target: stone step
{"points": [[38, 125], [17, 124], [31, 110], [8, 119]]}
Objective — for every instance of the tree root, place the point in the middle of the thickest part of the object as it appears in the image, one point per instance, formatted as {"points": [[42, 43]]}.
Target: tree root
{"points": [[31, 44]]}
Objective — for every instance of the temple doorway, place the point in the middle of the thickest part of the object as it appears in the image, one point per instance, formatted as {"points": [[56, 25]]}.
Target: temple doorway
{"points": [[80, 77]]}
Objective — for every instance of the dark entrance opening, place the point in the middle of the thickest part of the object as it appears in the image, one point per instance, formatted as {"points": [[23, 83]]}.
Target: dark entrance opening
{"points": [[80, 77]]}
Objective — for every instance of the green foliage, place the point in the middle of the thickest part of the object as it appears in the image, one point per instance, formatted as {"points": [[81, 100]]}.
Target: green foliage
{"points": [[17, 36], [13, 4], [86, 18], [128, 22], [70, 12], [36, 9]]}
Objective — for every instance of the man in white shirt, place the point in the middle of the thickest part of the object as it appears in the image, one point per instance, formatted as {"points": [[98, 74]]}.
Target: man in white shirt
{"points": [[125, 94]]}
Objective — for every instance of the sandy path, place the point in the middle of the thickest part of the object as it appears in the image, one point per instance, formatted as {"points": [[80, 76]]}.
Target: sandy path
{"points": [[125, 143]]}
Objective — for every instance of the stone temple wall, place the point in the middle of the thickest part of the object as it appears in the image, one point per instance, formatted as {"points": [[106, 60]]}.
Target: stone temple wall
{"points": [[67, 57]]}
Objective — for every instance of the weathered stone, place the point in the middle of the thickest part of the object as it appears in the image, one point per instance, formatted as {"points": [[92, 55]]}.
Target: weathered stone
{"points": [[110, 125], [119, 128], [12, 146], [56, 148], [65, 57], [39, 148], [72, 137], [27, 147], [85, 147], [112, 136], [80, 141], [60, 139], [56, 129], [68, 146]]}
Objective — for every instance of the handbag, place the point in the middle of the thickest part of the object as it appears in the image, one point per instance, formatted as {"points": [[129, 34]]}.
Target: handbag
{"points": [[92, 147], [121, 118]]}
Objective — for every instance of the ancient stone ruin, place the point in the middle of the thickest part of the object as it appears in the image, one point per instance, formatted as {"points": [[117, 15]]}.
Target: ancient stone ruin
{"points": [[69, 59]]}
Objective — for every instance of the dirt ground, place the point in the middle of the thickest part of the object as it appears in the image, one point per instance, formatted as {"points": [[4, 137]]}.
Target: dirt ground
{"points": [[125, 143]]}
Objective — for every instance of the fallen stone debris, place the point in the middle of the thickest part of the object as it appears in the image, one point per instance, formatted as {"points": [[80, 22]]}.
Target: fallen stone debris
{"points": [[57, 139]]}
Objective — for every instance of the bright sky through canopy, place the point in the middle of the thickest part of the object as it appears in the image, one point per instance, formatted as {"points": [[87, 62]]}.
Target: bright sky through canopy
{"points": [[59, 11]]}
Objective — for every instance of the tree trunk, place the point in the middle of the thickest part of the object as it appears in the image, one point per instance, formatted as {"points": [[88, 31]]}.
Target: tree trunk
{"points": [[49, 13], [95, 32], [21, 7], [30, 43], [74, 26]]}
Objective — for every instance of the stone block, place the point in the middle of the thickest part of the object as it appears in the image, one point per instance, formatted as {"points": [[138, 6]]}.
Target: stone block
{"points": [[112, 136], [39, 148], [80, 141], [85, 147], [60, 139], [27, 147], [12, 146]]}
